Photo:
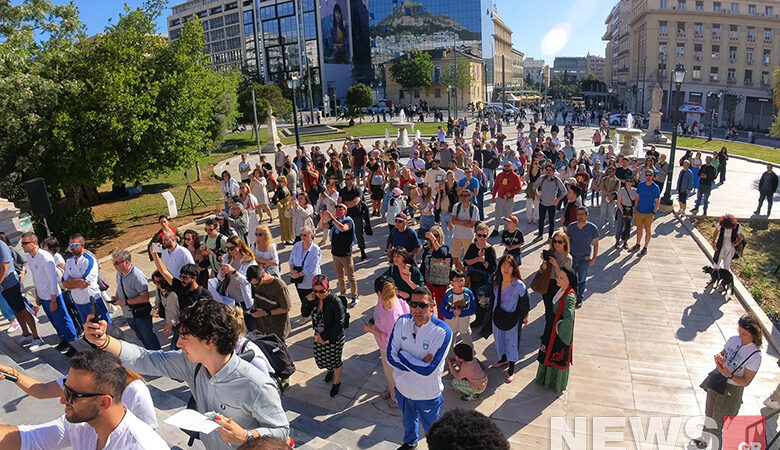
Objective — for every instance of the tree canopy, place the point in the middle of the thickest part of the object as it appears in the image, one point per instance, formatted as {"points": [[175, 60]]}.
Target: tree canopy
{"points": [[459, 78], [265, 95], [359, 96], [775, 130], [413, 72]]}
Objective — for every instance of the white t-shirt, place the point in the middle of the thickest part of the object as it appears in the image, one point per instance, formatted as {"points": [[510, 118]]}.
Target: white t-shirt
{"points": [[176, 259], [434, 176], [86, 268], [736, 353], [138, 400], [470, 213], [130, 434], [44, 272]]}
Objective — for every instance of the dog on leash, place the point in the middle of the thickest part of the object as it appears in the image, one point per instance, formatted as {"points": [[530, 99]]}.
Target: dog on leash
{"points": [[722, 279]]}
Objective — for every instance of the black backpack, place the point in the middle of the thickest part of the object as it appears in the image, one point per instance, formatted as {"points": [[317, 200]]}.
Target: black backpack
{"points": [[275, 351], [344, 304]]}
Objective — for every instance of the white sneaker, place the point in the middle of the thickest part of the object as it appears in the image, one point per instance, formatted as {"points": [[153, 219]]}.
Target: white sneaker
{"points": [[23, 340], [354, 302], [35, 344], [771, 404], [13, 328]]}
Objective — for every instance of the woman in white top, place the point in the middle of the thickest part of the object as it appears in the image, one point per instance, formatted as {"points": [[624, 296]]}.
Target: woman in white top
{"points": [[234, 264], [301, 212], [249, 201], [259, 187], [725, 240], [229, 187], [136, 395], [738, 362], [265, 251]]}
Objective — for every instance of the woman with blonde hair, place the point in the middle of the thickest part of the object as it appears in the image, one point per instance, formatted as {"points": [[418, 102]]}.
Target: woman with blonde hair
{"points": [[558, 258], [265, 252], [389, 307], [282, 199], [301, 212], [231, 285], [249, 200], [259, 186]]}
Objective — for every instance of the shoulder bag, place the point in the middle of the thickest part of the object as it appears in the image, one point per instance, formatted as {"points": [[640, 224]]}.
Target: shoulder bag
{"points": [[299, 279], [716, 382], [541, 281]]}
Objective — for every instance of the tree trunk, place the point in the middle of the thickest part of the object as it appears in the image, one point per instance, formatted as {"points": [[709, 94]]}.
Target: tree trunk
{"points": [[82, 195], [197, 169]]}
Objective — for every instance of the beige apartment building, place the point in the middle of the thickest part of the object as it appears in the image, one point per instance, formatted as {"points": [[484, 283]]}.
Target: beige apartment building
{"points": [[617, 63], [518, 73], [727, 47], [502, 51]]}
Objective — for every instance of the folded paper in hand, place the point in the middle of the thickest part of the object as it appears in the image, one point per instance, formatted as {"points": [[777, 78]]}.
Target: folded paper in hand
{"points": [[191, 420]]}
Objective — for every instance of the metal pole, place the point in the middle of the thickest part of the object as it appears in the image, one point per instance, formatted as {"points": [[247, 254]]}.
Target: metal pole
{"points": [[712, 121], [257, 126], [667, 199], [671, 75], [449, 94], [457, 79], [295, 119], [503, 83]]}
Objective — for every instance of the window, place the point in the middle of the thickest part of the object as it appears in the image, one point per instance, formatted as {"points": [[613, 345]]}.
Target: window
{"points": [[436, 74], [680, 49], [768, 35], [732, 54], [267, 12], [751, 33], [752, 10], [232, 31], [217, 22], [202, 14], [697, 72], [735, 8], [716, 6], [749, 55], [664, 4], [715, 51], [681, 29], [698, 29], [768, 11], [662, 49], [714, 74], [699, 6], [216, 10], [285, 9], [734, 32], [663, 27], [230, 19], [766, 57], [230, 6], [288, 30], [731, 75], [174, 22], [716, 31], [174, 34], [248, 17], [697, 52], [681, 5], [437, 92], [748, 76], [271, 32], [765, 78], [401, 93]]}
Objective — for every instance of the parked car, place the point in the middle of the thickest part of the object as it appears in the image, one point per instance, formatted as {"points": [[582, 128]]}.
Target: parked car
{"points": [[378, 108]]}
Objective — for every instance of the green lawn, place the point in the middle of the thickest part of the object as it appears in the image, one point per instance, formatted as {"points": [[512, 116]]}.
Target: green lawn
{"points": [[735, 148]]}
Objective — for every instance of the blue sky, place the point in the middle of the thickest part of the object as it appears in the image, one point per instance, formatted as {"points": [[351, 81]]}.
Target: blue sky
{"points": [[562, 28]]}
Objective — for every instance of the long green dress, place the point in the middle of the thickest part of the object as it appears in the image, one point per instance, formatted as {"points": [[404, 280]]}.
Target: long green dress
{"points": [[553, 377]]}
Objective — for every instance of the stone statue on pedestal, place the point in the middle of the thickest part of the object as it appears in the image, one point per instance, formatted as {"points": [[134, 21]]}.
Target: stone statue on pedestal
{"points": [[655, 119], [273, 133]]}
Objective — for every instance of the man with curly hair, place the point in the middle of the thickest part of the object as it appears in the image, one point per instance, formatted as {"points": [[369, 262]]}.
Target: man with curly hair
{"points": [[465, 430], [246, 400]]}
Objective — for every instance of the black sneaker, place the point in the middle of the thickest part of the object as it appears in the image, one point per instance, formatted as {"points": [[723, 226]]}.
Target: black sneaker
{"points": [[71, 352], [334, 390], [635, 247], [407, 446], [643, 252], [625, 246], [578, 305], [62, 346], [362, 255], [329, 376]]}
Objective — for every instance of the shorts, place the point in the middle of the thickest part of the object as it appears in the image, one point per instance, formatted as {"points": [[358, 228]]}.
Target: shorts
{"points": [[13, 295], [359, 172], [644, 220], [682, 197], [377, 192], [459, 247]]}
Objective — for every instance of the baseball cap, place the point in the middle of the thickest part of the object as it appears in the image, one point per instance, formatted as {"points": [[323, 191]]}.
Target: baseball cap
{"points": [[401, 216], [512, 219], [397, 192]]}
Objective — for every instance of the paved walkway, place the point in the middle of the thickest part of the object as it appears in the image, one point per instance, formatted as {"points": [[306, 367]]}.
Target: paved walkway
{"points": [[644, 340]]}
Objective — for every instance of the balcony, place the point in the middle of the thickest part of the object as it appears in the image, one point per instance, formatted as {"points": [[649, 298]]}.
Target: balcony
{"points": [[716, 36], [663, 33], [697, 56], [748, 83], [698, 36], [767, 41], [680, 33], [623, 70], [751, 39]]}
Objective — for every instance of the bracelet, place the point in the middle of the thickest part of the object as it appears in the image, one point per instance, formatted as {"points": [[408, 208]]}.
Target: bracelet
{"points": [[105, 344], [732, 375]]}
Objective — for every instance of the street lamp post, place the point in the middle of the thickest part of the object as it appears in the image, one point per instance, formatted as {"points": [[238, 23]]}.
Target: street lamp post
{"points": [[449, 95], [679, 78], [712, 115], [293, 82]]}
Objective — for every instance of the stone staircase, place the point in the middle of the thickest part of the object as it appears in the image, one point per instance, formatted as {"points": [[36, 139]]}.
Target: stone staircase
{"points": [[312, 426]]}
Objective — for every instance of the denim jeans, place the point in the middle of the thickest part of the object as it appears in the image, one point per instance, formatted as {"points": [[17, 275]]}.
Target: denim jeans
{"points": [[142, 326], [174, 341], [5, 309], [703, 197], [86, 309], [608, 214], [581, 266], [60, 319], [549, 212], [490, 174], [481, 206], [444, 220]]}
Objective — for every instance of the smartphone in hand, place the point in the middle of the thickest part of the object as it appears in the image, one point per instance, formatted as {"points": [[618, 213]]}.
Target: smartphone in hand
{"points": [[93, 303]]}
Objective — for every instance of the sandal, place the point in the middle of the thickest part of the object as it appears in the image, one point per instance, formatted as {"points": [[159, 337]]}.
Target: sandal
{"points": [[385, 394], [498, 364]]}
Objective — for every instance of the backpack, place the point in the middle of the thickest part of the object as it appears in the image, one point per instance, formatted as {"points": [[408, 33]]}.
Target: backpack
{"points": [[344, 304], [275, 351], [471, 214]]}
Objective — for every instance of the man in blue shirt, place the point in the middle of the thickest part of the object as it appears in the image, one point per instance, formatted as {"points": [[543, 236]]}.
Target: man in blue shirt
{"points": [[584, 248], [470, 184], [11, 289], [648, 195], [402, 236]]}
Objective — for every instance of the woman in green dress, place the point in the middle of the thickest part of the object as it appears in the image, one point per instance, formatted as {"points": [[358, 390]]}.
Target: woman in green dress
{"points": [[555, 351]]}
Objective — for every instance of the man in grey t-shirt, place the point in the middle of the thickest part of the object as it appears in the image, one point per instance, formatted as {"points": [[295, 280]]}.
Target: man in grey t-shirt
{"points": [[584, 248], [132, 293]]}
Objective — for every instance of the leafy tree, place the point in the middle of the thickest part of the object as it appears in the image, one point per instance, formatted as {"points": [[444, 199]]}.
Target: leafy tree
{"points": [[359, 96], [413, 72], [265, 95], [563, 87], [460, 78], [775, 130], [225, 109]]}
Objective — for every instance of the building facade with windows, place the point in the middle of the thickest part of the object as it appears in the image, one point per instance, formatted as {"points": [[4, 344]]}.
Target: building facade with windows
{"points": [[729, 48], [617, 63], [537, 71], [575, 67], [595, 65], [502, 51], [518, 74]]}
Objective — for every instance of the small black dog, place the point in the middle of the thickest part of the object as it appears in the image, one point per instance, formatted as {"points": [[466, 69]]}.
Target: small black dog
{"points": [[720, 278]]}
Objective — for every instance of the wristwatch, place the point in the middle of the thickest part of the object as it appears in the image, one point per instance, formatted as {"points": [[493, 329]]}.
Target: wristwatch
{"points": [[268, 312]]}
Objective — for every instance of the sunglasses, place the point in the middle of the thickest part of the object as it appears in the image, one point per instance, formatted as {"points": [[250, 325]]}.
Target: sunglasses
{"points": [[116, 263], [186, 277], [259, 234], [71, 395], [419, 305], [230, 247], [26, 243], [482, 235], [209, 230], [557, 241], [319, 291], [76, 245]]}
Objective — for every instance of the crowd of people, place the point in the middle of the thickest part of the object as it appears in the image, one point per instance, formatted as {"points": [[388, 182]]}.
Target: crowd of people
{"points": [[445, 284]]}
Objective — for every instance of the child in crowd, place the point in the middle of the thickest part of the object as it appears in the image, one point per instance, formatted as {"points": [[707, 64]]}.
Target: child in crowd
{"points": [[458, 306], [469, 379], [512, 238]]}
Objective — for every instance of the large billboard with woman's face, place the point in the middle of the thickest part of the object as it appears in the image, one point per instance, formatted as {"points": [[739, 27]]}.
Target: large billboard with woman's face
{"points": [[335, 19]]}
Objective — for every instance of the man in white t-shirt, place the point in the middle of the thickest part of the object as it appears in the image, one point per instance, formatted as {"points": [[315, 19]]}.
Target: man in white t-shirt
{"points": [[418, 166], [81, 278], [95, 417], [435, 174], [464, 216], [174, 256], [244, 167]]}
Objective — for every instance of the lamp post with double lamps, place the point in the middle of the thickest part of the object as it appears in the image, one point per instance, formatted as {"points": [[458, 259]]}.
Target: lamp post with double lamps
{"points": [[679, 78], [293, 82], [712, 113]]}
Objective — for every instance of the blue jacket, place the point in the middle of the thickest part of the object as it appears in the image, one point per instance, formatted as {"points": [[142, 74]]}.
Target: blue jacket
{"points": [[447, 310], [685, 181]]}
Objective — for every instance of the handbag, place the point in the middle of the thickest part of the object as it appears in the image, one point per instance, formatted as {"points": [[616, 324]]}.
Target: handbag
{"points": [[438, 269], [299, 279], [139, 311], [504, 320], [716, 382], [541, 281]]}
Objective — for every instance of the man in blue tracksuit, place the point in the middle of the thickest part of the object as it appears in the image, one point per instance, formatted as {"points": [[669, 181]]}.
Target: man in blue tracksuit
{"points": [[417, 351]]}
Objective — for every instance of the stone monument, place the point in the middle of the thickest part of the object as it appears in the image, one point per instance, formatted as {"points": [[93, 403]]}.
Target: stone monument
{"points": [[273, 133], [11, 222], [655, 118]]}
